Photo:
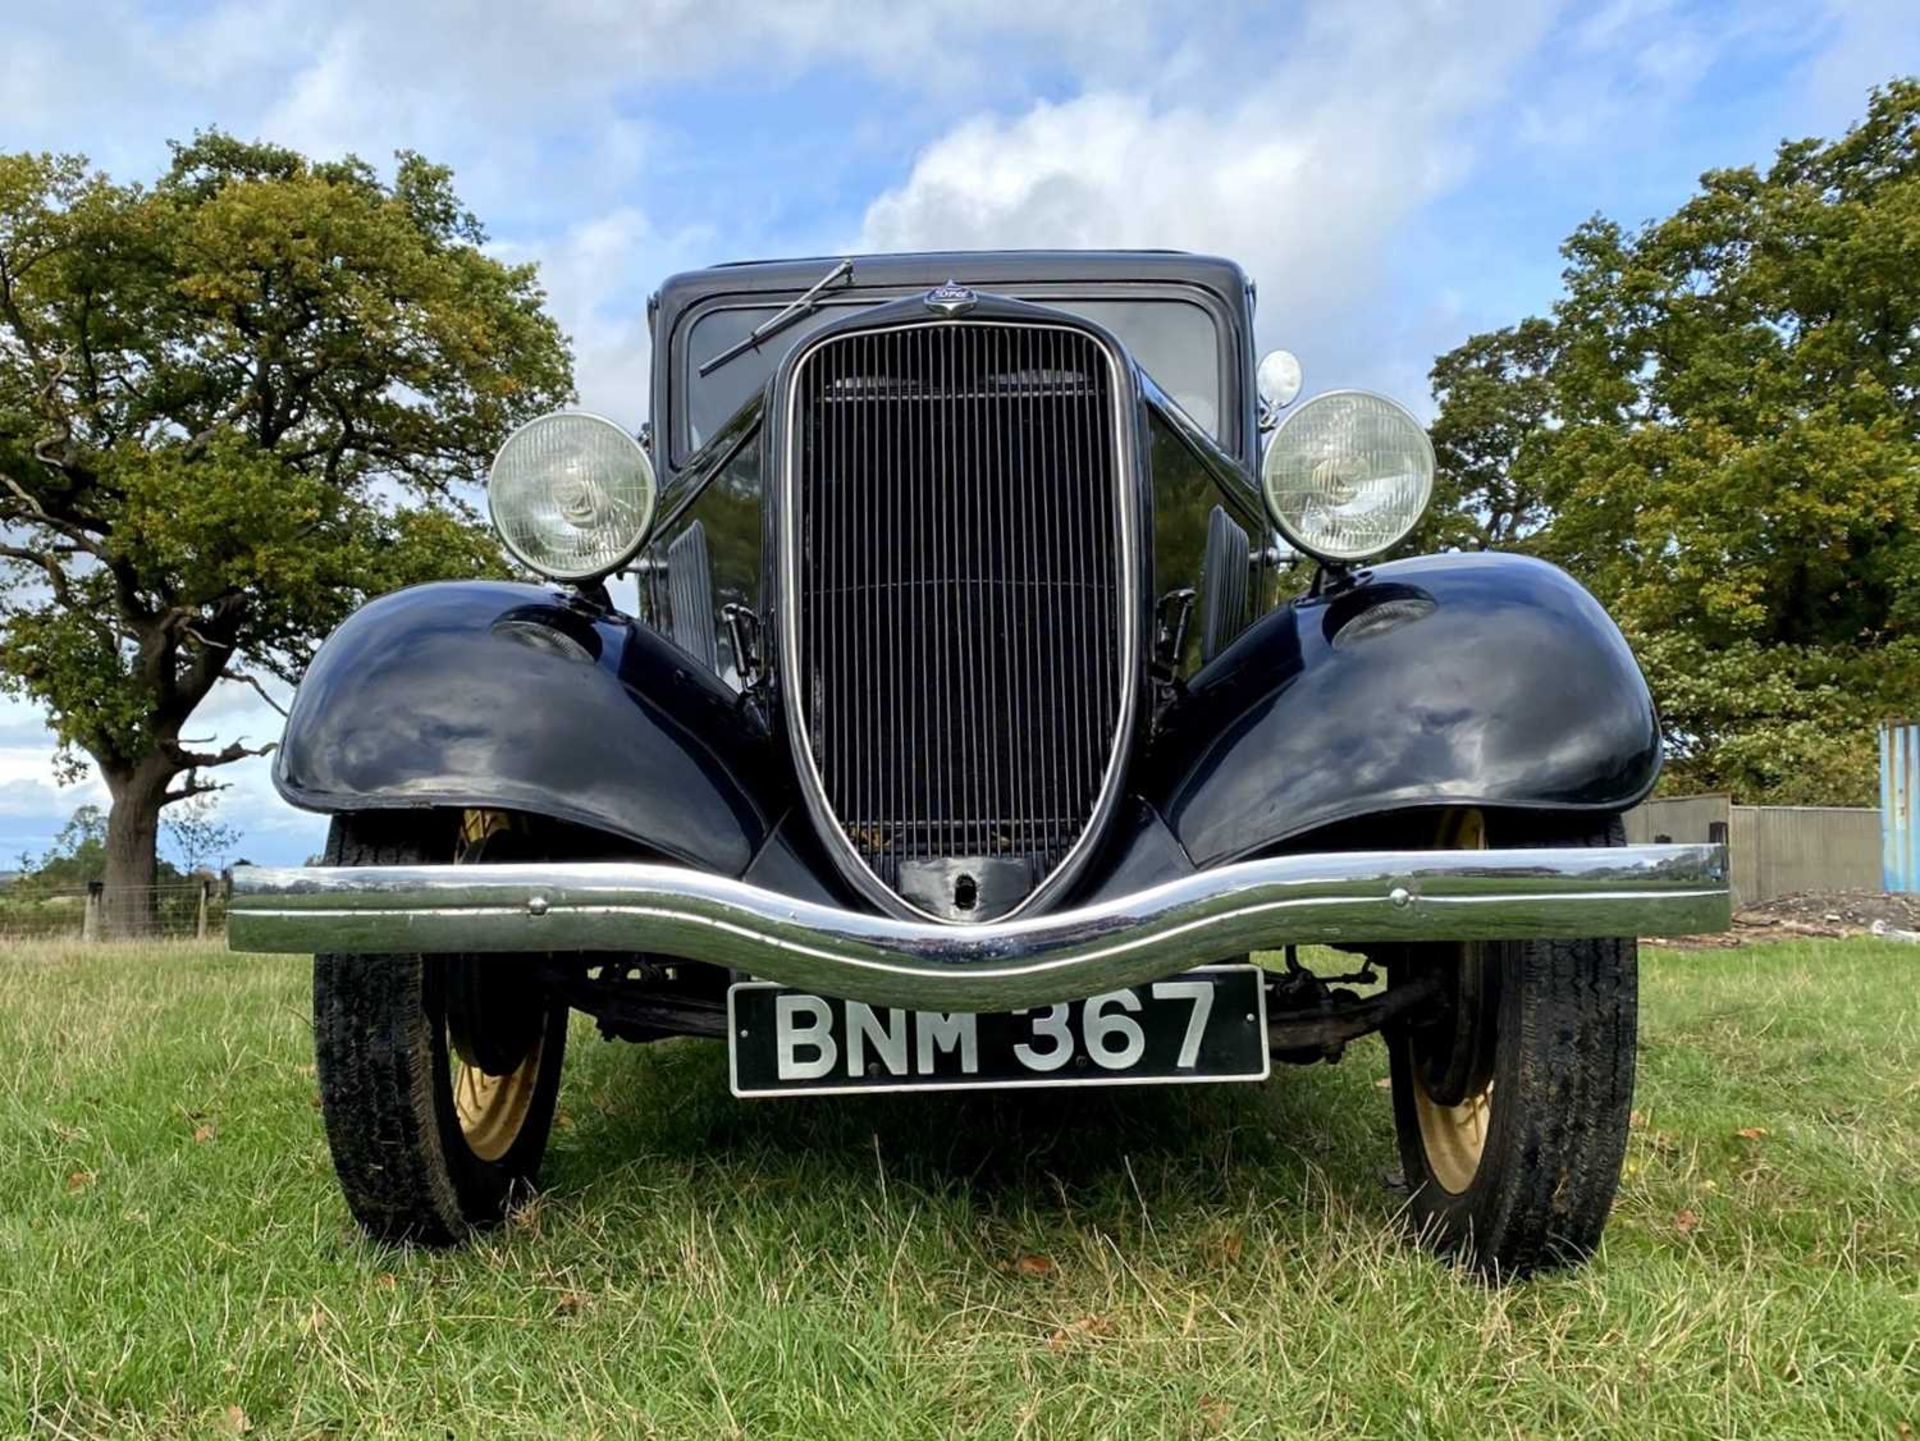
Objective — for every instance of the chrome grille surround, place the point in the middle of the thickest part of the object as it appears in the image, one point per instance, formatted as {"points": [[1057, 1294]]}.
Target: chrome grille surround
{"points": [[863, 864]]}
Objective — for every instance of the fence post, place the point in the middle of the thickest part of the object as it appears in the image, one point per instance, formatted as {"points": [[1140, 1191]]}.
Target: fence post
{"points": [[200, 918], [90, 919], [1900, 806]]}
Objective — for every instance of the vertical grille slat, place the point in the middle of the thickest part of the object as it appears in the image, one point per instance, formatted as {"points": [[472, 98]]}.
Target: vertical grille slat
{"points": [[1048, 757], [1089, 634], [958, 595]]}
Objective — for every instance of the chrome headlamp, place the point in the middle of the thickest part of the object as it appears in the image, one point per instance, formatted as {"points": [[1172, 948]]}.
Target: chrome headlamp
{"points": [[572, 495], [1347, 475]]}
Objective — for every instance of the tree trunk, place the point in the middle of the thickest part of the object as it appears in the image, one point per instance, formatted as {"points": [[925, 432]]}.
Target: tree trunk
{"points": [[133, 830]]}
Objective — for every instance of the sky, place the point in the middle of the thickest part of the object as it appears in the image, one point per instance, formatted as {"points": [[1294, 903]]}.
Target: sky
{"points": [[1395, 175]]}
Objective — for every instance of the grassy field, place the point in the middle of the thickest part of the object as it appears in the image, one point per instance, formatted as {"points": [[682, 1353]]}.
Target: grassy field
{"points": [[1201, 1262]]}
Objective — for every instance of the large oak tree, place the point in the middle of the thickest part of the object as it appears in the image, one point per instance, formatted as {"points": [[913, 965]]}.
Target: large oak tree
{"points": [[233, 405], [1718, 431]]}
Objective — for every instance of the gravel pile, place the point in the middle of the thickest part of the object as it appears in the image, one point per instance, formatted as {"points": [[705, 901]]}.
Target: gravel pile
{"points": [[1823, 915]]}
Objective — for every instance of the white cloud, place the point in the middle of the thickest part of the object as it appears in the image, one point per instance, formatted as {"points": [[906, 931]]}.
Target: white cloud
{"points": [[597, 274], [542, 107], [1312, 171], [30, 796], [1628, 68], [34, 805], [524, 56], [537, 98], [1870, 43], [1302, 178]]}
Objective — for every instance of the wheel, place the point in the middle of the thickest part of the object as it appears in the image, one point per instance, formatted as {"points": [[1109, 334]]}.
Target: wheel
{"points": [[438, 1074], [1512, 1097]]}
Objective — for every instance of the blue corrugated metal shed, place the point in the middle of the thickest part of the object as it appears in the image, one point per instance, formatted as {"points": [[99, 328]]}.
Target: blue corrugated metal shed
{"points": [[1900, 805]]}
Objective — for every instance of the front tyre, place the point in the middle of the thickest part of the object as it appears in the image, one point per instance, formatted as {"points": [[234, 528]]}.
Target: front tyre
{"points": [[1512, 1099], [438, 1074]]}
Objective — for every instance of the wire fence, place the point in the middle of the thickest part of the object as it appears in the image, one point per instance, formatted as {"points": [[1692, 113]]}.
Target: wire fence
{"points": [[195, 908]]}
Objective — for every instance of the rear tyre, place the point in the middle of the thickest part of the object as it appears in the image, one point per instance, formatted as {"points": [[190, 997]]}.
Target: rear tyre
{"points": [[1512, 1100], [438, 1074]]}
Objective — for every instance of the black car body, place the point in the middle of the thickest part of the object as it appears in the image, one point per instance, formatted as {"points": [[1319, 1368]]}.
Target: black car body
{"points": [[965, 678]]}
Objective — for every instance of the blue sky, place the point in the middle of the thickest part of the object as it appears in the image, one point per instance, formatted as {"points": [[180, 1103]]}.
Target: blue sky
{"points": [[1395, 176]]}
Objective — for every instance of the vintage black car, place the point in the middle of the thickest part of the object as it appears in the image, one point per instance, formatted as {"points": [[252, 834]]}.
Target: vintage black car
{"points": [[970, 734]]}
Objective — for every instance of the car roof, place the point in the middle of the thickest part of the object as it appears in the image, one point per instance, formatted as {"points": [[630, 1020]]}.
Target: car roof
{"points": [[982, 269]]}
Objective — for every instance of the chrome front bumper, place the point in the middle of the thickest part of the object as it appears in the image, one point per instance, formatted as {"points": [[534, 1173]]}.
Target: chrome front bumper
{"points": [[1339, 896]]}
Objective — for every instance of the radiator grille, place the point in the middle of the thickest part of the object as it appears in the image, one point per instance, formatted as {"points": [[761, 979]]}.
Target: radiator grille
{"points": [[958, 600]]}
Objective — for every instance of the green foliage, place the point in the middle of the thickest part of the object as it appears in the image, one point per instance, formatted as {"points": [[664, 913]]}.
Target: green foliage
{"points": [[1718, 431], [1495, 394], [197, 835], [78, 855], [234, 405]]}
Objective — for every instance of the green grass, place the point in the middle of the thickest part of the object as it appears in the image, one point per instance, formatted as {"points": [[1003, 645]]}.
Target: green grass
{"points": [[1191, 1262]]}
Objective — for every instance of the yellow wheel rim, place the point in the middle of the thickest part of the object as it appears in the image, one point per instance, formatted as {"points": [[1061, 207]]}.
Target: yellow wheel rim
{"points": [[1455, 1137], [492, 1109]]}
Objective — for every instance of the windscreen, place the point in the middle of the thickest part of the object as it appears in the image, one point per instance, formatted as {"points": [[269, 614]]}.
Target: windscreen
{"points": [[1175, 341]]}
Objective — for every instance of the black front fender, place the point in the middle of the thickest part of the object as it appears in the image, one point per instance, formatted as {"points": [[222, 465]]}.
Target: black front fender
{"points": [[1488, 680], [515, 698]]}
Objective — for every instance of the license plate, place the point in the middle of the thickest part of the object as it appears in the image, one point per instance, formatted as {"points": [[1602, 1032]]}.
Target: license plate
{"points": [[1207, 1025]]}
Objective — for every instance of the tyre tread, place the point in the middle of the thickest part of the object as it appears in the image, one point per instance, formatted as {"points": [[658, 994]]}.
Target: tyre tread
{"points": [[375, 1059], [1556, 1149]]}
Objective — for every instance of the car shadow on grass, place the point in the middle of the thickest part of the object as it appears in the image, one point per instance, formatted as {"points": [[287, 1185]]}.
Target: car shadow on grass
{"points": [[640, 1120]]}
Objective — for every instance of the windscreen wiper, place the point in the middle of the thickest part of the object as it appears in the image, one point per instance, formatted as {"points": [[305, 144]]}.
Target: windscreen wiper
{"points": [[805, 305]]}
